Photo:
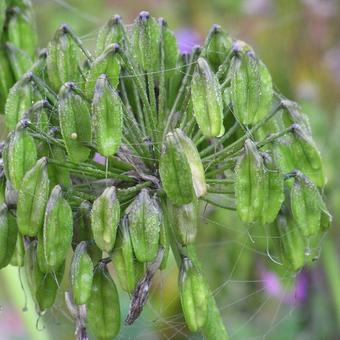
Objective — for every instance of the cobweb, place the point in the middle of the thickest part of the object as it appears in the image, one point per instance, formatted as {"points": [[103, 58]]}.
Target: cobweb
{"points": [[256, 296]]}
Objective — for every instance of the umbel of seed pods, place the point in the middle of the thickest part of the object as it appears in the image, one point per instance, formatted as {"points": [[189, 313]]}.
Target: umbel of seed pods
{"points": [[174, 130]]}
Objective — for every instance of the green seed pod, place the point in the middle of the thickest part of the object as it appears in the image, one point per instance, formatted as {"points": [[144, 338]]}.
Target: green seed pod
{"points": [[273, 193], [43, 287], [251, 88], [6, 79], [291, 242], [112, 32], [57, 230], [75, 123], [18, 256], [185, 219], [326, 217], [164, 241], [8, 235], [145, 42], [105, 216], [207, 100], [39, 115], [193, 294], [62, 59], [107, 63], [144, 218], [174, 82], [32, 199], [107, 117], [217, 46], [291, 114], [20, 61], [21, 155], [249, 183], [58, 175], [297, 149], [43, 266], [128, 269], [195, 162], [81, 274], [82, 231], [307, 157], [171, 51], [21, 31], [82, 223], [103, 318], [19, 100], [175, 172], [306, 205]]}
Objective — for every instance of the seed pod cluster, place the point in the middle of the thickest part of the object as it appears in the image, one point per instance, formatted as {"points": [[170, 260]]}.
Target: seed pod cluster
{"points": [[19, 42], [110, 154]]}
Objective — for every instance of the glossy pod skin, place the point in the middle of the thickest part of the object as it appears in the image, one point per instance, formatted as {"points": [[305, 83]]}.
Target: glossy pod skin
{"points": [[19, 100], [105, 216], [175, 172], [103, 309], [194, 161], [193, 295], [249, 183], [298, 150], [251, 89], [217, 46], [184, 221], [21, 31], [128, 269], [107, 117], [8, 235], [306, 205], [207, 100], [292, 243], [145, 42], [18, 256], [144, 219], [273, 190], [62, 59], [20, 155], [57, 230], [112, 32], [32, 199], [106, 63], [81, 274], [75, 123]]}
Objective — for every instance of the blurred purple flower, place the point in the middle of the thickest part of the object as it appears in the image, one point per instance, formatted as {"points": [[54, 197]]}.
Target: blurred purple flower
{"points": [[187, 39], [273, 287], [99, 158]]}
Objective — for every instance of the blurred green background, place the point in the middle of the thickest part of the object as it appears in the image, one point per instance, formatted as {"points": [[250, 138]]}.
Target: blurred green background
{"points": [[299, 40]]}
